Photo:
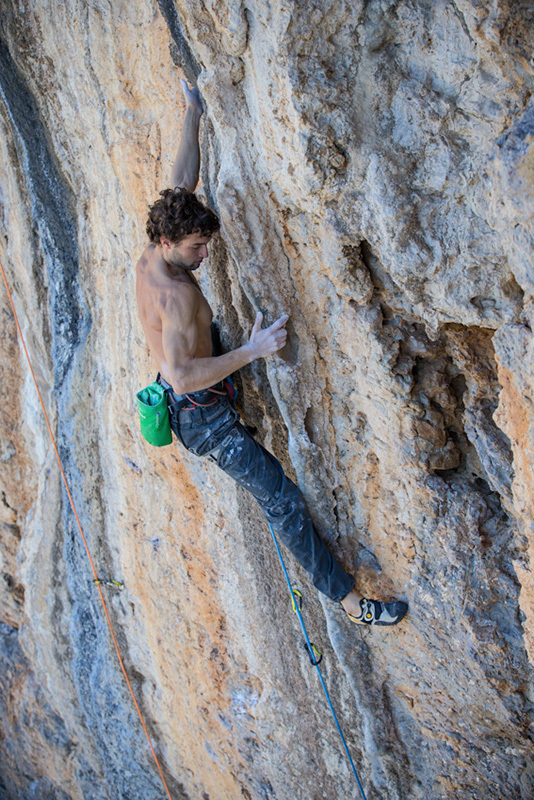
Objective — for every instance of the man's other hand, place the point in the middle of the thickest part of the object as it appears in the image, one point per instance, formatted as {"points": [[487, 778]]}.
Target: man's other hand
{"points": [[266, 341], [192, 98]]}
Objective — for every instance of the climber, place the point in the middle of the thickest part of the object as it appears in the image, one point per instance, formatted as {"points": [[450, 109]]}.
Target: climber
{"points": [[176, 319]]}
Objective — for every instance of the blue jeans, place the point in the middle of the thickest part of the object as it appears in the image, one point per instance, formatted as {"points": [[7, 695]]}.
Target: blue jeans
{"points": [[215, 431]]}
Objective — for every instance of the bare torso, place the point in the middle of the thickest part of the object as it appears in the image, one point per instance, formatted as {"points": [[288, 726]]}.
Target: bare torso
{"points": [[157, 288]]}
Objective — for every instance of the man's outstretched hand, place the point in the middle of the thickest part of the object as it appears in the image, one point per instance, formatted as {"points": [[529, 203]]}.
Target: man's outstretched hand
{"points": [[192, 98], [266, 341]]}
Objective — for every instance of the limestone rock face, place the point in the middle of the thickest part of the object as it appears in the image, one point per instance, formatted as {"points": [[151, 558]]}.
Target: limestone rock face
{"points": [[373, 167]]}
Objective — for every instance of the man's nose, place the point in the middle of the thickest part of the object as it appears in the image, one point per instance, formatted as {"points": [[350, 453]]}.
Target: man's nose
{"points": [[204, 251]]}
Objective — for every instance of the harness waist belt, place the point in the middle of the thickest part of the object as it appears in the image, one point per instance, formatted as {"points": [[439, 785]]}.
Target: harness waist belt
{"points": [[191, 400]]}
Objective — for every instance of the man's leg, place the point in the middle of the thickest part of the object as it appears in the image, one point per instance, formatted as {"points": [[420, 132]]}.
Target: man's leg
{"points": [[282, 502], [259, 472], [214, 431]]}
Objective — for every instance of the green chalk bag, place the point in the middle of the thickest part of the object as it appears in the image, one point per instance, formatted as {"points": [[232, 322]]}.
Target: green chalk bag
{"points": [[154, 415]]}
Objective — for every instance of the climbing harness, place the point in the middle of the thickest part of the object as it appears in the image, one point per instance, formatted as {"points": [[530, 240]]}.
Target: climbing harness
{"points": [[97, 581], [178, 402], [196, 404], [314, 655]]}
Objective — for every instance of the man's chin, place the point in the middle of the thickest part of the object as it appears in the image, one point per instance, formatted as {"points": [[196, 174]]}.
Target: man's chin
{"points": [[190, 267], [186, 267]]}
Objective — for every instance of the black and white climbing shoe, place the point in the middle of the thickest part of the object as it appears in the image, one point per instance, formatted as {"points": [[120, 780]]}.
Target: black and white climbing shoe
{"points": [[374, 612]]}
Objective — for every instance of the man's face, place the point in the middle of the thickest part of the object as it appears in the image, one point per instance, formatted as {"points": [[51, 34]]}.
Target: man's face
{"points": [[188, 253]]}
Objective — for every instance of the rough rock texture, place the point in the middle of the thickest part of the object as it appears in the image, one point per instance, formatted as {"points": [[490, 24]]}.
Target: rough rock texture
{"points": [[373, 167]]}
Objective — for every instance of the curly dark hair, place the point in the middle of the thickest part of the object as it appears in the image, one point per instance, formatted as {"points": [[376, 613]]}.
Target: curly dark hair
{"points": [[177, 214]]}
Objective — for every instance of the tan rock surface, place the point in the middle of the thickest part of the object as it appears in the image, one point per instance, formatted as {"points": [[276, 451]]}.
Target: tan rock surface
{"points": [[372, 167]]}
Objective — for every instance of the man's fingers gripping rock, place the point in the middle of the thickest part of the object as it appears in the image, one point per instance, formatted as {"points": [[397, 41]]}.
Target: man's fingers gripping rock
{"points": [[280, 322]]}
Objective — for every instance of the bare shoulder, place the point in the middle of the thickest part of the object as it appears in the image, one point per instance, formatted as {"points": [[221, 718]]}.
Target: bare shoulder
{"points": [[147, 258], [179, 299], [163, 297]]}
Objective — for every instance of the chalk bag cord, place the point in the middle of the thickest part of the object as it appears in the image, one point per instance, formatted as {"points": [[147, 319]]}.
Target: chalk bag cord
{"points": [[315, 659], [97, 582]]}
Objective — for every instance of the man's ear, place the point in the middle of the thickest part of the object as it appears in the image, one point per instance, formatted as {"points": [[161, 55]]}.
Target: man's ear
{"points": [[164, 242]]}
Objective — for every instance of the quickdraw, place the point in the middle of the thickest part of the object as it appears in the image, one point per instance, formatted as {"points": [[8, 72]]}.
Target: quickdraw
{"points": [[315, 656], [296, 597], [112, 584]]}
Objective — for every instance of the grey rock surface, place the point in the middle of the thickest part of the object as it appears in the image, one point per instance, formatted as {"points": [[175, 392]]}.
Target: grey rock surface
{"points": [[373, 167]]}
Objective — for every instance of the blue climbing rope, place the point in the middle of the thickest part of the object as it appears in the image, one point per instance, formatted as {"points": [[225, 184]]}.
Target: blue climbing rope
{"points": [[312, 652]]}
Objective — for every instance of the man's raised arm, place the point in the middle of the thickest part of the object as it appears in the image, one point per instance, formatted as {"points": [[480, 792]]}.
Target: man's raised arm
{"points": [[189, 374], [187, 163]]}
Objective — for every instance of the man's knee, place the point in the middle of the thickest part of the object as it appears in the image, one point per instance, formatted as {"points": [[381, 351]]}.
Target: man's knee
{"points": [[289, 503]]}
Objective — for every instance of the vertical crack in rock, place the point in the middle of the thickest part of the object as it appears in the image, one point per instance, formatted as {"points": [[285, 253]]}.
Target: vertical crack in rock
{"points": [[104, 700], [181, 53], [52, 206]]}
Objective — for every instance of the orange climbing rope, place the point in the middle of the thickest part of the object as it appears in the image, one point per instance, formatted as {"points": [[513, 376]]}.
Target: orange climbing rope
{"points": [[96, 579]]}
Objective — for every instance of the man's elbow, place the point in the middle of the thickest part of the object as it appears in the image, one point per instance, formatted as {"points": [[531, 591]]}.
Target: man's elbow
{"points": [[183, 379], [179, 380], [180, 384], [183, 182]]}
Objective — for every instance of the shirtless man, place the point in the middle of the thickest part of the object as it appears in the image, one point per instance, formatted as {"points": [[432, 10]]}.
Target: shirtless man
{"points": [[176, 319]]}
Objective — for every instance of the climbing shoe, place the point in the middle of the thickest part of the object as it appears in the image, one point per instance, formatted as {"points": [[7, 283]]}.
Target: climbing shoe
{"points": [[374, 612]]}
